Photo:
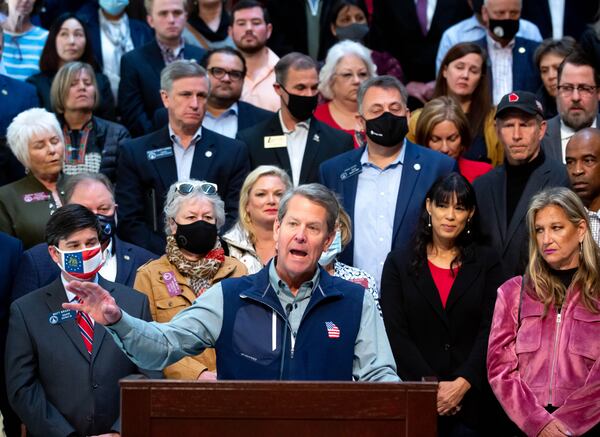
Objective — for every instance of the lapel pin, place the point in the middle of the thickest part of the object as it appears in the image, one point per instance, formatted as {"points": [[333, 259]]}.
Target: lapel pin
{"points": [[127, 258], [316, 138], [208, 154], [4, 92], [417, 167], [522, 50]]}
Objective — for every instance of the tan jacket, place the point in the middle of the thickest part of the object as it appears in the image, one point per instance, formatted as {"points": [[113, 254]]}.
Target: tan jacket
{"points": [[164, 307]]}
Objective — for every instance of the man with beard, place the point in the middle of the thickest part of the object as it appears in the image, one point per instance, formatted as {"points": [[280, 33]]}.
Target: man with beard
{"points": [[95, 192], [577, 103], [250, 29], [583, 167]]}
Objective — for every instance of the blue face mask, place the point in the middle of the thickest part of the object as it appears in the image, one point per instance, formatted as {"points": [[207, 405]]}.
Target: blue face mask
{"points": [[335, 248], [113, 7]]}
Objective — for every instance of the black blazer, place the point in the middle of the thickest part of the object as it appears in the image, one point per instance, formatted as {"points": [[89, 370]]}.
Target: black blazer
{"points": [[53, 384], [577, 14], [139, 88], [37, 269], [248, 116], [510, 240], [323, 142], [429, 340], [143, 182], [106, 109]]}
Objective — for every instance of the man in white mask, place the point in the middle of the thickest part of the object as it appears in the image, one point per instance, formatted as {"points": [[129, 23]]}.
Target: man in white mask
{"points": [[62, 370]]}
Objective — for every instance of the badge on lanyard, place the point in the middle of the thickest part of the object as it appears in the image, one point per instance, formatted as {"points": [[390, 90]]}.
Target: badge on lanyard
{"points": [[165, 152], [171, 282], [61, 316]]}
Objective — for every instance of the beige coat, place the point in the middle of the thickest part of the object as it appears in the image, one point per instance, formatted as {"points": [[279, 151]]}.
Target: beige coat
{"points": [[164, 307]]}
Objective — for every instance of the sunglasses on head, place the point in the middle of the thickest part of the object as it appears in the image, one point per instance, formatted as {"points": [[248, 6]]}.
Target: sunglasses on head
{"points": [[186, 188]]}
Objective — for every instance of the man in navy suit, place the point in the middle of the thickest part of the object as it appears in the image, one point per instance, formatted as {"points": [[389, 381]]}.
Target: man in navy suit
{"points": [[510, 60], [226, 114], [95, 192], [383, 186], [139, 88], [10, 253], [182, 150]]}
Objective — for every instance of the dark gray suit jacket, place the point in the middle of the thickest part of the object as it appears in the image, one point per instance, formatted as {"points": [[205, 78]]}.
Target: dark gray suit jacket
{"points": [[551, 142], [53, 384], [510, 240]]}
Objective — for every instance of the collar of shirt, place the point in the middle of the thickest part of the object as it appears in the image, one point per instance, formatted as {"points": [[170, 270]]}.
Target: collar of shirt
{"points": [[364, 158], [305, 124], [593, 213], [122, 23], [71, 296], [280, 286], [232, 110], [472, 24], [164, 50], [177, 141], [108, 252], [496, 46], [566, 132]]}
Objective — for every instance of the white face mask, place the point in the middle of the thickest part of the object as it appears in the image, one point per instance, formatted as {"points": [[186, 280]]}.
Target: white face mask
{"points": [[335, 248], [81, 264]]}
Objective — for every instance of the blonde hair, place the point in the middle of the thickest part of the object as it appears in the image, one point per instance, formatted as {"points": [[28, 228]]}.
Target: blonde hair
{"points": [[549, 289], [441, 109], [62, 82], [253, 176]]}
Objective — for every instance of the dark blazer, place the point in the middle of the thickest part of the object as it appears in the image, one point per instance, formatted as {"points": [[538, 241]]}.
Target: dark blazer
{"points": [[139, 88], [590, 44], [143, 182], [106, 108], [140, 32], [54, 385], [526, 76], [248, 116], [421, 168], [510, 240], [323, 142], [577, 15], [10, 253], [551, 143], [395, 29], [37, 269], [429, 340]]}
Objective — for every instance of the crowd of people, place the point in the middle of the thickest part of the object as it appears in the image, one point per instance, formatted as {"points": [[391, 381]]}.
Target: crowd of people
{"points": [[222, 189]]}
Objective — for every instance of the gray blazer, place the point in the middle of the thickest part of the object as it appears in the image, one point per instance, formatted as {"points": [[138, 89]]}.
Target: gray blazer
{"points": [[551, 142], [510, 240], [53, 384]]}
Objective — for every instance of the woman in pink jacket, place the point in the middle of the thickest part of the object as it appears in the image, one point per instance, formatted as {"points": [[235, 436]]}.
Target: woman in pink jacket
{"points": [[544, 347]]}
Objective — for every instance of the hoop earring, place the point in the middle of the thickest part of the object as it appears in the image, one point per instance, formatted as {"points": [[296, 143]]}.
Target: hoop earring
{"points": [[429, 222]]}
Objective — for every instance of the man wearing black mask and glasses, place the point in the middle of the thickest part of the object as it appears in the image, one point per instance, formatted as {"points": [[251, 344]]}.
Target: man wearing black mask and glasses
{"points": [[510, 57], [383, 185], [122, 259], [293, 139]]}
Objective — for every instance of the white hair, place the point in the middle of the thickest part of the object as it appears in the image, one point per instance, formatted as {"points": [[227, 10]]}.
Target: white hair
{"points": [[335, 54], [34, 121]]}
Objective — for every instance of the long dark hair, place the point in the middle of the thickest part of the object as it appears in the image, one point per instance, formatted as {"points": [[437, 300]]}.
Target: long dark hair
{"points": [[50, 61], [443, 191], [481, 101]]}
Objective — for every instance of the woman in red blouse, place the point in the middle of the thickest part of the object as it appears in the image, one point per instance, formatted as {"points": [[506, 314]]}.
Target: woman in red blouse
{"points": [[437, 304]]}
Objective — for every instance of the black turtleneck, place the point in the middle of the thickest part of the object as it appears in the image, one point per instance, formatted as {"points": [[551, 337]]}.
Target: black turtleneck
{"points": [[516, 180], [199, 24], [564, 276]]}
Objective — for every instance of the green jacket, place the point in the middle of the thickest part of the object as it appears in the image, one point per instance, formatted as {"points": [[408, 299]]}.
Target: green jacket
{"points": [[25, 207]]}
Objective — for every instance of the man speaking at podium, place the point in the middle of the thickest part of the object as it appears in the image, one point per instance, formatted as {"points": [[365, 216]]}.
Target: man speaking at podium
{"points": [[290, 321]]}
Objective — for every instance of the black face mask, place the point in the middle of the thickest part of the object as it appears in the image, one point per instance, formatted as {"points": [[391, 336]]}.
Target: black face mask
{"points": [[504, 29], [198, 237], [354, 32], [301, 107], [108, 227], [387, 130]]}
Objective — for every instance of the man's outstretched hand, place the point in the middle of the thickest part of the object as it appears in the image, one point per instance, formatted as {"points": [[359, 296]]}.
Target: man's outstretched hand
{"points": [[97, 302]]}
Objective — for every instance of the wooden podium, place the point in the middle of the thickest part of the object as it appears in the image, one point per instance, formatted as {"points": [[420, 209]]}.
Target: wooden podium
{"points": [[254, 408]]}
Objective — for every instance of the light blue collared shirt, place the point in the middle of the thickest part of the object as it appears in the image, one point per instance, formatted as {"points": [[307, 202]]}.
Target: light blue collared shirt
{"points": [[157, 345], [374, 212], [471, 30], [184, 157], [225, 124]]}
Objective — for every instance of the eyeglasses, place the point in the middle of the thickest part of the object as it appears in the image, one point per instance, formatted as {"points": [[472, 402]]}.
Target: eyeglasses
{"points": [[186, 188], [567, 90], [347, 76], [220, 73]]}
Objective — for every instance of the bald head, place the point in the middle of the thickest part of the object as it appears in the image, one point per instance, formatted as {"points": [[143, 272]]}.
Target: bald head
{"points": [[583, 165]]}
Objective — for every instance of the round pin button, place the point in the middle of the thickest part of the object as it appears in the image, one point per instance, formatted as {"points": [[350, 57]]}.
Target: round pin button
{"points": [[522, 50], [208, 154], [417, 167]]}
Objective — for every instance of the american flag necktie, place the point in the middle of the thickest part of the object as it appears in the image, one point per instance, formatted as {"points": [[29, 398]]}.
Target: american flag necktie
{"points": [[86, 328]]}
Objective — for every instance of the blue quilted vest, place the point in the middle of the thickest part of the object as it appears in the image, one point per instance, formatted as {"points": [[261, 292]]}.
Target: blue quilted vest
{"points": [[254, 323]]}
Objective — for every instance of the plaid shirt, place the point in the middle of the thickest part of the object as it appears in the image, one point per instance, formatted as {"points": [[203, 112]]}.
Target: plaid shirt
{"points": [[171, 55], [594, 217]]}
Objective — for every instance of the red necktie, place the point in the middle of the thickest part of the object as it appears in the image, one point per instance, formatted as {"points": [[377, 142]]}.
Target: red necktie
{"points": [[422, 15], [86, 328]]}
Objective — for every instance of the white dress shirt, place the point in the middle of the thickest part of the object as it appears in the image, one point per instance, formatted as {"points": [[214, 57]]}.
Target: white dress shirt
{"points": [[184, 157], [557, 15], [502, 62], [565, 135], [296, 145]]}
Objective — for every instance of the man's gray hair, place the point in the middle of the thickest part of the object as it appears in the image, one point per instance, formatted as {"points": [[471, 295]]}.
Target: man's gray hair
{"points": [[75, 180], [34, 121], [316, 193], [175, 200], [486, 2], [295, 60], [335, 54], [385, 82], [180, 70]]}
